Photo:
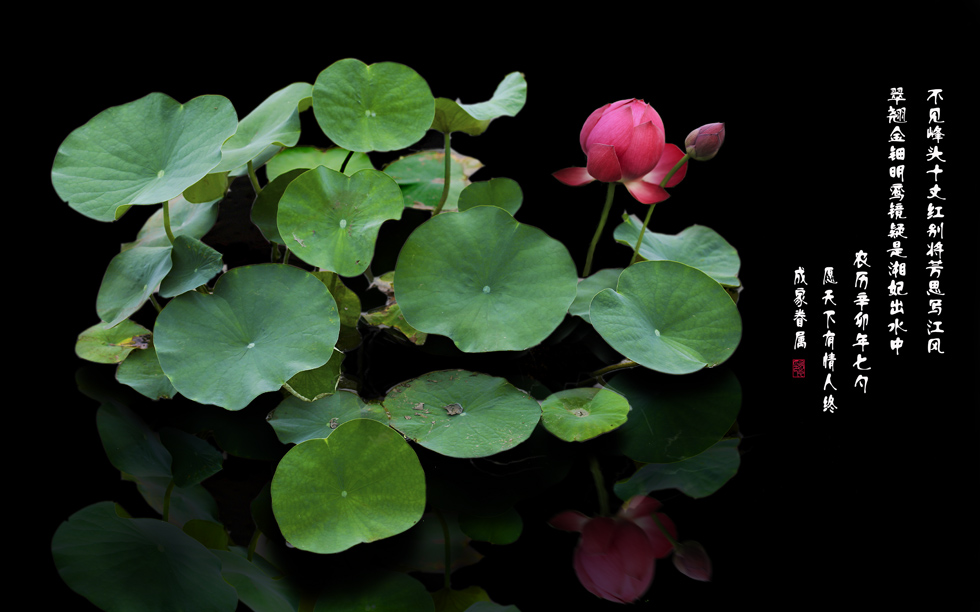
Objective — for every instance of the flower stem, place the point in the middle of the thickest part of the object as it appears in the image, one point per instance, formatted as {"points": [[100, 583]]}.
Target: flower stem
{"points": [[673, 170], [622, 365], [166, 222], [445, 185], [253, 178], [253, 543], [598, 231], [166, 501], [663, 183], [600, 486], [639, 241], [663, 529], [448, 550]]}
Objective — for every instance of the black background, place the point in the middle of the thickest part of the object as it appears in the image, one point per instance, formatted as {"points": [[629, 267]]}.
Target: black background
{"points": [[877, 497]]}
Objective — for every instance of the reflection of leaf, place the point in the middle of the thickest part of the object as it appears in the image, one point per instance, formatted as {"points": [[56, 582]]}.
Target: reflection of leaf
{"points": [[375, 590], [256, 588], [122, 564], [699, 476], [674, 418]]}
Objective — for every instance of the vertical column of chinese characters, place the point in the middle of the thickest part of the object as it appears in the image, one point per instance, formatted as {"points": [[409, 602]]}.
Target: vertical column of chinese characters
{"points": [[799, 318], [862, 301], [828, 340], [896, 214], [935, 220]]}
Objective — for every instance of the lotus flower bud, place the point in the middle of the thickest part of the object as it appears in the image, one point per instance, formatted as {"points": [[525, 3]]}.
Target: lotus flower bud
{"points": [[703, 143]]}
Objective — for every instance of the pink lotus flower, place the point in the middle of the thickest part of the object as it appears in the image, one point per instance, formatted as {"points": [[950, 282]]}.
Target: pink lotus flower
{"points": [[624, 143], [615, 557]]}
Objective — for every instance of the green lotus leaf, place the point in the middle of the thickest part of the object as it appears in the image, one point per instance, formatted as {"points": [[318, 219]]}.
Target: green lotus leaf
{"points": [[113, 344], [473, 119], [422, 176], [130, 279], [265, 209], [295, 420], [212, 187], [381, 107], [674, 418], [124, 564], [699, 476], [484, 280], [142, 372], [348, 302], [582, 414], [310, 385], [332, 221], [143, 152], [391, 316], [697, 246], [376, 590], [500, 192], [273, 123], [186, 219], [261, 326], [361, 484], [668, 317], [588, 287], [311, 157], [257, 589], [462, 414], [194, 264]]}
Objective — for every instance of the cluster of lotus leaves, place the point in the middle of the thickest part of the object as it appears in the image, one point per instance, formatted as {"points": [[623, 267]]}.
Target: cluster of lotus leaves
{"points": [[473, 274]]}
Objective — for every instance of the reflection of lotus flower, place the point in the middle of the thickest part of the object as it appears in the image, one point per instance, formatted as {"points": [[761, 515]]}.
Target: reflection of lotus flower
{"points": [[615, 557], [624, 143], [692, 560]]}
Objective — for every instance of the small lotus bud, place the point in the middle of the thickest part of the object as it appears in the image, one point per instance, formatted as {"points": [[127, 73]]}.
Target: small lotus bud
{"points": [[703, 143], [691, 559]]}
